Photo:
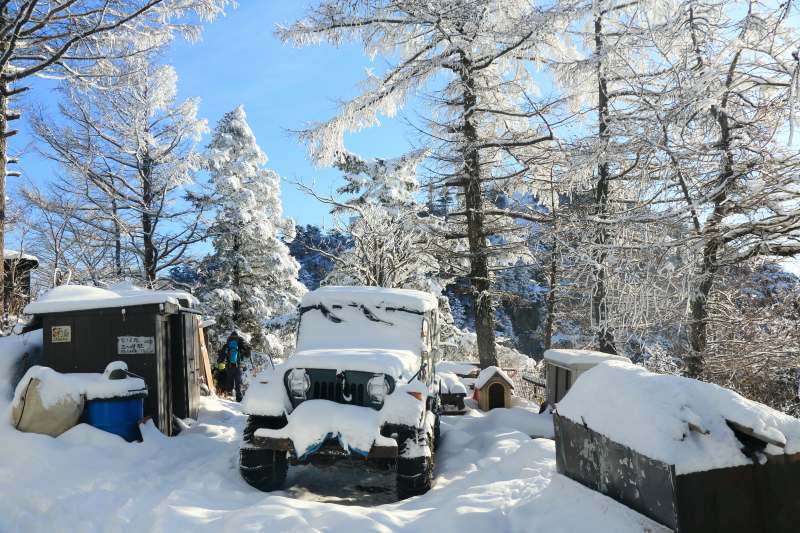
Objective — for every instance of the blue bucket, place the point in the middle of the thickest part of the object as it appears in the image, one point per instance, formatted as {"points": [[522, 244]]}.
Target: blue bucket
{"points": [[117, 415]]}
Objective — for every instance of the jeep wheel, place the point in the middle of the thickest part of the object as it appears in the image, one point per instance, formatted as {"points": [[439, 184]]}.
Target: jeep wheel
{"points": [[261, 468], [437, 433], [414, 474]]}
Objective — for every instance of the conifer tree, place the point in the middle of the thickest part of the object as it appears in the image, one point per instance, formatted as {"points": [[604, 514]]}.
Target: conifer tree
{"points": [[251, 276]]}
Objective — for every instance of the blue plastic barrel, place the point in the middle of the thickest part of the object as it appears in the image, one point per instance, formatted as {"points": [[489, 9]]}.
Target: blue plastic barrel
{"points": [[116, 415]]}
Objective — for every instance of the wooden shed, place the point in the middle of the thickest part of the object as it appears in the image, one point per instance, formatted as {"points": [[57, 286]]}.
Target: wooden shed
{"points": [[493, 389], [17, 282], [156, 333], [563, 366]]}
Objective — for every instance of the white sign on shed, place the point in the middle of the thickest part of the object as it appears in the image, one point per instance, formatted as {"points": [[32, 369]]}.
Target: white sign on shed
{"points": [[135, 345]]}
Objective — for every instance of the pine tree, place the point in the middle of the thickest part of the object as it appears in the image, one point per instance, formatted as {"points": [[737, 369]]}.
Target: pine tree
{"points": [[251, 277]]}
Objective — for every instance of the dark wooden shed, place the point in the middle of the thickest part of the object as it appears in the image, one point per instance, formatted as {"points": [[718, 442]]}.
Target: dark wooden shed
{"points": [[763, 497], [17, 280], [154, 332], [693, 456]]}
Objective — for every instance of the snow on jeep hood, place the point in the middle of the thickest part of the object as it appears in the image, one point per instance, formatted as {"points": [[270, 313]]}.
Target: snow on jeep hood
{"points": [[400, 364]]}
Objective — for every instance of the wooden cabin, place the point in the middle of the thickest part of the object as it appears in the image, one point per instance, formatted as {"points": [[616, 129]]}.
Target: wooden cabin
{"points": [[17, 280], [493, 389]]}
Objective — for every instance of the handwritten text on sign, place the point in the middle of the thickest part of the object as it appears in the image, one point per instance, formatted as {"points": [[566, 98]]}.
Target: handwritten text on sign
{"points": [[135, 345]]}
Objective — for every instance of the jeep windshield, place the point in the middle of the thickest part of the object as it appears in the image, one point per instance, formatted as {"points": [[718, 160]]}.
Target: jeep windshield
{"points": [[332, 326]]}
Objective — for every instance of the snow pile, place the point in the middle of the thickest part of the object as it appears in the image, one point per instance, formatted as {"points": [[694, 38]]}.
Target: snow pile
{"points": [[372, 297], [449, 383], [356, 428], [490, 475], [580, 358], [266, 394], [652, 414], [81, 297], [488, 373], [56, 386]]}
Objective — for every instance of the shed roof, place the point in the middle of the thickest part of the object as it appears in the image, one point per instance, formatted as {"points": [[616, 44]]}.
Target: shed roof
{"points": [[488, 373], [14, 255], [82, 298], [580, 359], [372, 297]]}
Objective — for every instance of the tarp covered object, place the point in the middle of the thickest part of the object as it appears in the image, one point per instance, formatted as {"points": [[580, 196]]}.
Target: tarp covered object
{"points": [[31, 415]]}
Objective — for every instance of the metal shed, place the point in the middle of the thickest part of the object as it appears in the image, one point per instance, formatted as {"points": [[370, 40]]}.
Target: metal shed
{"points": [[155, 332], [563, 366]]}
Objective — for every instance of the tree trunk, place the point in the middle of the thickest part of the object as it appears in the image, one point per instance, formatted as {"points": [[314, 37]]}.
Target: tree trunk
{"points": [[698, 325], [3, 169], [148, 224], [599, 311], [551, 295], [237, 283], [476, 234], [117, 233]]}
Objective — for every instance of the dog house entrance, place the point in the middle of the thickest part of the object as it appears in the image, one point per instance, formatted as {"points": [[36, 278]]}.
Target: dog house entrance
{"points": [[496, 396]]}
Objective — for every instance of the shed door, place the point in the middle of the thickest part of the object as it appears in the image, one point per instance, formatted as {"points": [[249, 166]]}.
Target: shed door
{"points": [[496, 396]]}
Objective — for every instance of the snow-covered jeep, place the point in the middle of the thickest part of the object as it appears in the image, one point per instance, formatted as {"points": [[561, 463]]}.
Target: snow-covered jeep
{"points": [[360, 388]]}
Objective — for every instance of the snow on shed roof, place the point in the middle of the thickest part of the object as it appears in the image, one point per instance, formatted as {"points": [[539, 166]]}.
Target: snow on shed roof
{"points": [[14, 255], [580, 359], [372, 297], [676, 420], [488, 373], [81, 297]]}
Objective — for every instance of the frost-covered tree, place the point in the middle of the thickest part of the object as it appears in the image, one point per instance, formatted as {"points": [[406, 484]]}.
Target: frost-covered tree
{"points": [[390, 242], [726, 120], [77, 38], [250, 278], [390, 183], [127, 155], [464, 56]]}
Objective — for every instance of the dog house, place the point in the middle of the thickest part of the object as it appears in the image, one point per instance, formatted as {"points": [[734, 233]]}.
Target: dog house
{"points": [[156, 333], [564, 366], [493, 389], [690, 455]]}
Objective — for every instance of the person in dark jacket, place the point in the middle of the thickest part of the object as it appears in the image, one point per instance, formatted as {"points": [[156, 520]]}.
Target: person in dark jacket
{"points": [[230, 358]]}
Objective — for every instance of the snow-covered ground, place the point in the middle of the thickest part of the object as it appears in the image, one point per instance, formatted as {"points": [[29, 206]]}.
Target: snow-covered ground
{"points": [[491, 476]]}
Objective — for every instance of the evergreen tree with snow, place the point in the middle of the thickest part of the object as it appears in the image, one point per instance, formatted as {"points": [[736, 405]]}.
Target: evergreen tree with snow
{"points": [[251, 278]]}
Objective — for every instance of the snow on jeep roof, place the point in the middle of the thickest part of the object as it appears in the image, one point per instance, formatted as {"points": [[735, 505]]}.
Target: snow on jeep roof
{"points": [[372, 297]]}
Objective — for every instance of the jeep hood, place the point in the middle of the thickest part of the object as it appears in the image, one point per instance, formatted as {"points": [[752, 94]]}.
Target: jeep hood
{"points": [[400, 364]]}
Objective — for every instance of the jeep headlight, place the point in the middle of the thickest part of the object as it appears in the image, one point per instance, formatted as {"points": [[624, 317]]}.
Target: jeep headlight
{"points": [[299, 383], [377, 388]]}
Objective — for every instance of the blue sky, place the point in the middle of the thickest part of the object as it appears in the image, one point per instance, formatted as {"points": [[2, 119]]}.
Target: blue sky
{"points": [[239, 61]]}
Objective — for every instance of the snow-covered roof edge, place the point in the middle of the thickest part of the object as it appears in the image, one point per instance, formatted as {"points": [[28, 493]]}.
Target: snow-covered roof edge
{"points": [[580, 358], [82, 298], [488, 373], [372, 297], [15, 255]]}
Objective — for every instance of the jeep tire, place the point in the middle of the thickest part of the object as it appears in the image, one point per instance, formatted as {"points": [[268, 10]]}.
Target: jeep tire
{"points": [[414, 474], [262, 468]]}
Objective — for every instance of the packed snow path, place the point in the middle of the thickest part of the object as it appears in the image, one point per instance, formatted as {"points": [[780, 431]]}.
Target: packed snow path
{"points": [[491, 476]]}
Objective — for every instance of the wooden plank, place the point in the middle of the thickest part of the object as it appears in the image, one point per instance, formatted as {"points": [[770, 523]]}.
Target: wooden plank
{"points": [[755, 434], [204, 359]]}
